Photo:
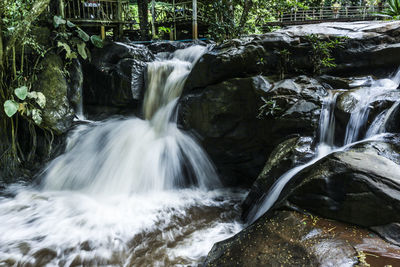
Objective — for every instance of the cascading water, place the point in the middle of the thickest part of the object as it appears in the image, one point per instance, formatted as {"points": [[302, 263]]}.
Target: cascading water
{"points": [[365, 96], [358, 119], [126, 191]]}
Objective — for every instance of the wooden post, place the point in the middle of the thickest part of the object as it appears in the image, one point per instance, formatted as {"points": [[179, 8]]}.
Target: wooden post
{"points": [[103, 32], [195, 33], [174, 16], [153, 18], [119, 17]]}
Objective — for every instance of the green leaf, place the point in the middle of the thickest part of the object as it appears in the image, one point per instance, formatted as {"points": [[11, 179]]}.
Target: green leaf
{"points": [[67, 48], [70, 24], [21, 92], [10, 107], [82, 50], [83, 35], [96, 41], [57, 21]]}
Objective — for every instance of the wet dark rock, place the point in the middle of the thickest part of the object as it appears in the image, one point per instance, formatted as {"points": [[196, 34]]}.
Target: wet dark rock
{"points": [[359, 186], [392, 122], [58, 113], [295, 239], [370, 45], [390, 232], [170, 47], [287, 155], [115, 77], [225, 117], [335, 82]]}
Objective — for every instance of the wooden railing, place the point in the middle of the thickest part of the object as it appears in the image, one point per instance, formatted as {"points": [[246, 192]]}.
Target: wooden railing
{"points": [[183, 11], [320, 14], [96, 11]]}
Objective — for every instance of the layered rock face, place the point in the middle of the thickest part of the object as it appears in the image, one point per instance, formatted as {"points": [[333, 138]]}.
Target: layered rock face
{"points": [[229, 84], [257, 114]]}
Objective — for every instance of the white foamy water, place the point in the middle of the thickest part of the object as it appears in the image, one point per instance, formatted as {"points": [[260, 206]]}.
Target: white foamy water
{"points": [[70, 228], [127, 192]]}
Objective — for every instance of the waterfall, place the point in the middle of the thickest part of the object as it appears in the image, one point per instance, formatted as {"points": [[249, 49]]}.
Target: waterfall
{"points": [[365, 96], [126, 192], [327, 124], [325, 146], [135, 155], [358, 119], [79, 107]]}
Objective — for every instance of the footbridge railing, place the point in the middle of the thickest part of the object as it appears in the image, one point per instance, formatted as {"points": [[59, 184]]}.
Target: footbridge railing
{"points": [[325, 14]]}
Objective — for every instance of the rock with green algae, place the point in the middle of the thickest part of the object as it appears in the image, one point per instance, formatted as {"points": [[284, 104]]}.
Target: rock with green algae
{"points": [[58, 113], [294, 239]]}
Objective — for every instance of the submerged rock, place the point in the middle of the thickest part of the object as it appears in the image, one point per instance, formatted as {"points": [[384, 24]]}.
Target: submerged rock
{"points": [[237, 134], [294, 239]]}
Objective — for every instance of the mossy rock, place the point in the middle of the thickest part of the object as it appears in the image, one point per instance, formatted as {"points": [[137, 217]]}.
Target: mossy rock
{"points": [[58, 113]]}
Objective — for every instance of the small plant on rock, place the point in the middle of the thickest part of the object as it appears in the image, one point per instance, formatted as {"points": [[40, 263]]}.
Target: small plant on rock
{"points": [[321, 52], [269, 108]]}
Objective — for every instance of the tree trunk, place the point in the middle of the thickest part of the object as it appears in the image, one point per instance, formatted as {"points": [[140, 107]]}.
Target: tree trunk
{"points": [[1, 42], [143, 7], [248, 4]]}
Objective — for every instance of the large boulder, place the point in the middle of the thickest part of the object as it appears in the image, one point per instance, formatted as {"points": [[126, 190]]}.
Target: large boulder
{"points": [[114, 79], [58, 114], [294, 239], [237, 134], [359, 186], [369, 45]]}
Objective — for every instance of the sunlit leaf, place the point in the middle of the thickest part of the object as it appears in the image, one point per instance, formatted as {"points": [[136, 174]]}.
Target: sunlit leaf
{"points": [[82, 50], [70, 24], [83, 35], [96, 41], [57, 21], [21, 92], [10, 107]]}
